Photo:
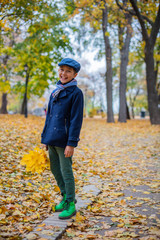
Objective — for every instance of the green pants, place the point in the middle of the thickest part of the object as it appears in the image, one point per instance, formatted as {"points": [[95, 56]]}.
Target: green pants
{"points": [[61, 167]]}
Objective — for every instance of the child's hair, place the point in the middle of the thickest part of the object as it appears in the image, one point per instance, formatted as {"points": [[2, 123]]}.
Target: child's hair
{"points": [[70, 67], [74, 70]]}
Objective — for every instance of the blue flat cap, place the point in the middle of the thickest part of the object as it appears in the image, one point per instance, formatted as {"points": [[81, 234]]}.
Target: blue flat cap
{"points": [[71, 63]]}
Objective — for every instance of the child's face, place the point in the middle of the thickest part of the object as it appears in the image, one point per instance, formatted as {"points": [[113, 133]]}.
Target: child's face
{"points": [[66, 73]]}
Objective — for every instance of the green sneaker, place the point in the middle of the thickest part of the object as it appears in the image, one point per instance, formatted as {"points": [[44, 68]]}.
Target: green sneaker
{"points": [[69, 210], [61, 205]]}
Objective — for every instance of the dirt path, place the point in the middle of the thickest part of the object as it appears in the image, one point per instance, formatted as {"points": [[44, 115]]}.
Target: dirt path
{"points": [[126, 159]]}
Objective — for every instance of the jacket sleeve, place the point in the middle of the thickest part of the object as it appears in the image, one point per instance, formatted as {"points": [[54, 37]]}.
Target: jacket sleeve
{"points": [[47, 117], [76, 118]]}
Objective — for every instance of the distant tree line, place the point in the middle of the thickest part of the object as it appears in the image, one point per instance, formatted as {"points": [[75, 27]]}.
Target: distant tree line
{"points": [[35, 34]]}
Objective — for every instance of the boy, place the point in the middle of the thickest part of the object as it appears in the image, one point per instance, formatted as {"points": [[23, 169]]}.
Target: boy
{"points": [[61, 132]]}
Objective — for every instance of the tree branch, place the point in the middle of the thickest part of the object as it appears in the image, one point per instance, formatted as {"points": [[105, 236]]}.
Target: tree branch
{"points": [[155, 28], [17, 14], [88, 11], [140, 18], [147, 19], [133, 12], [135, 96], [124, 8], [8, 15]]}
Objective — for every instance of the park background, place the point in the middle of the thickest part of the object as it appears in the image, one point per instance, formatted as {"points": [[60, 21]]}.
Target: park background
{"points": [[118, 46]]}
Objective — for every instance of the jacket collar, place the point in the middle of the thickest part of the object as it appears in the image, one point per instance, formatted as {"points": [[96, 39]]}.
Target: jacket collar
{"points": [[66, 91]]}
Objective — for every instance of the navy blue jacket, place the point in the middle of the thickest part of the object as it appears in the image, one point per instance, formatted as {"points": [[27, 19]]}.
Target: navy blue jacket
{"points": [[64, 118]]}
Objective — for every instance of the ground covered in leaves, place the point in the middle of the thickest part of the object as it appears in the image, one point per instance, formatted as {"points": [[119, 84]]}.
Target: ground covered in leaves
{"points": [[125, 159]]}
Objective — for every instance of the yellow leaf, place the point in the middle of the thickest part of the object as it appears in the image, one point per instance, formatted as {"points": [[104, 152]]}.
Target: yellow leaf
{"points": [[35, 161], [118, 194], [56, 189], [53, 208], [42, 238], [129, 198], [107, 34], [79, 217], [2, 216], [120, 225], [42, 225], [101, 153], [29, 184], [115, 219], [123, 202], [18, 213], [91, 236]]}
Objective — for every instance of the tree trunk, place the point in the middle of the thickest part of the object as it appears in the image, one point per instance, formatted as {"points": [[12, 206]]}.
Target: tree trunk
{"points": [[150, 41], [4, 104], [149, 35], [132, 109], [23, 106], [3, 109], [24, 109], [124, 53], [127, 111], [108, 54], [154, 110]]}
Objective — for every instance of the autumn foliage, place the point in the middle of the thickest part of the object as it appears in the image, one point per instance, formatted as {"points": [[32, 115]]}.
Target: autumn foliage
{"points": [[123, 158], [35, 161]]}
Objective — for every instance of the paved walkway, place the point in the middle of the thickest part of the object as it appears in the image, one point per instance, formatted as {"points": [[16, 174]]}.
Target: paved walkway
{"points": [[52, 228]]}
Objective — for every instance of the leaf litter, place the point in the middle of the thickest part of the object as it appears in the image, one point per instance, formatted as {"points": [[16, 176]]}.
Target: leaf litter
{"points": [[125, 158]]}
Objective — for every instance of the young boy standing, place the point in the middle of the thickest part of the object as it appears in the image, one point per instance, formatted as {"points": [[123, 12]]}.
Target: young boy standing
{"points": [[61, 132]]}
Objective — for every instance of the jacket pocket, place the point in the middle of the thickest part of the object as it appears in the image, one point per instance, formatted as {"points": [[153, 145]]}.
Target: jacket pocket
{"points": [[62, 133]]}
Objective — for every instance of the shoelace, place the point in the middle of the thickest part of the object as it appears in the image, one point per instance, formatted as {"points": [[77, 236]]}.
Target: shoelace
{"points": [[63, 201], [66, 206]]}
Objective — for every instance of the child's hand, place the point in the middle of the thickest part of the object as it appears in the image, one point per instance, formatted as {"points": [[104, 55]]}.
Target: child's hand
{"points": [[45, 147], [69, 151]]}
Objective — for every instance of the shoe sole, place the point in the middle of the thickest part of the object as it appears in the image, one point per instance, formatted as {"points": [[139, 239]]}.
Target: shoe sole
{"points": [[74, 213]]}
